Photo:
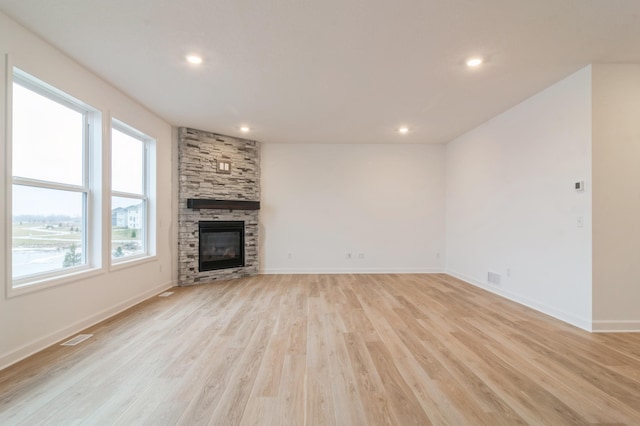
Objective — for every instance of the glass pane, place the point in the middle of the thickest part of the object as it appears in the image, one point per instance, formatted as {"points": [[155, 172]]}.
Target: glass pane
{"points": [[127, 163], [127, 225], [47, 138], [47, 230]]}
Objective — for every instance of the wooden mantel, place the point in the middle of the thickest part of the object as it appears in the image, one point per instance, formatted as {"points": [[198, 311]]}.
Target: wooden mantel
{"points": [[204, 203]]}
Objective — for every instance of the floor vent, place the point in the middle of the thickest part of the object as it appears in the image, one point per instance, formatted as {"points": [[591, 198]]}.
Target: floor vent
{"points": [[165, 294], [493, 278], [76, 340]]}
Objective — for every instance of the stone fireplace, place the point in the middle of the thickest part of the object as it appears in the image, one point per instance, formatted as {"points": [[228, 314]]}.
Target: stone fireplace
{"points": [[219, 191]]}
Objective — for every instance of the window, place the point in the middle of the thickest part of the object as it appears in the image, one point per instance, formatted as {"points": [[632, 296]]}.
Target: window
{"points": [[129, 192], [51, 188]]}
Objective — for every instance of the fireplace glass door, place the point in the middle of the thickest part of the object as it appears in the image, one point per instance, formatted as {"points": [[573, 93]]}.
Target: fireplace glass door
{"points": [[221, 245]]}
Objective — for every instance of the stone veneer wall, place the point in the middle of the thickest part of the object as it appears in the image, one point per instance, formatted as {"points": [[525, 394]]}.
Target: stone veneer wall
{"points": [[199, 153]]}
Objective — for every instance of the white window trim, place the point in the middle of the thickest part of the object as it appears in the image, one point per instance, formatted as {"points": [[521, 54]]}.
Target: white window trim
{"points": [[91, 179], [148, 240]]}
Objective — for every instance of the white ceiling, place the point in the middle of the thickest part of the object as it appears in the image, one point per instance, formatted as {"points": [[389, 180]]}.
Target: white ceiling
{"points": [[335, 71]]}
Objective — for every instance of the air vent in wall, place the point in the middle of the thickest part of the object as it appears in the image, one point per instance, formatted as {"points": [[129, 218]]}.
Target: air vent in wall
{"points": [[76, 340], [493, 278]]}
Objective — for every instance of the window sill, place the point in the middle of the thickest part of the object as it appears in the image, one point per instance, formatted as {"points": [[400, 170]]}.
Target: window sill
{"points": [[133, 261]]}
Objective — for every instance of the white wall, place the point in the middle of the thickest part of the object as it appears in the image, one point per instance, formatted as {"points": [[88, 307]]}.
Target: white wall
{"points": [[320, 202], [32, 321], [616, 197], [511, 204]]}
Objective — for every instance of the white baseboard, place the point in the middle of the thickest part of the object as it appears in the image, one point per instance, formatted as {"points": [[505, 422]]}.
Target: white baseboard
{"points": [[320, 271], [613, 326], [52, 338], [574, 320]]}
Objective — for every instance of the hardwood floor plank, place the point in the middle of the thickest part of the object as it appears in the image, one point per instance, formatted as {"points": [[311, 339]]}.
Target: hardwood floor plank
{"points": [[209, 393], [330, 349], [234, 399], [407, 410], [519, 389], [270, 373], [320, 406], [150, 407], [291, 400], [370, 386], [260, 410], [346, 398]]}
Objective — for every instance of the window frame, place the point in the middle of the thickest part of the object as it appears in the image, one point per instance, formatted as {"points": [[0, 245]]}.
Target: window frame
{"points": [[89, 187], [148, 252]]}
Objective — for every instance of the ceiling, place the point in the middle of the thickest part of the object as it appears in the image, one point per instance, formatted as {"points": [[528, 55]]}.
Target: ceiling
{"points": [[335, 71]]}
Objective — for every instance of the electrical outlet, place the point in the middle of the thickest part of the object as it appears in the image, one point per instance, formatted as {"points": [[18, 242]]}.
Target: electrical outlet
{"points": [[289, 256], [493, 278], [360, 255]]}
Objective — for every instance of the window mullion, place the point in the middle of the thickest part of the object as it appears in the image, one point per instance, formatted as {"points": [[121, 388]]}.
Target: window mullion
{"points": [[48, 185], [86, 181], [86, 151], [128, 195]]}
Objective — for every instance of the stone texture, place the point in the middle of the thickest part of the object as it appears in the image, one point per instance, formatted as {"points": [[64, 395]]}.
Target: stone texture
{"points": [[199, 153]]}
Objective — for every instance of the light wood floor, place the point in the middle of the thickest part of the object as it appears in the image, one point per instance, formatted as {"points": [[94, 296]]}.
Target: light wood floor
{"points": [[330, 349]]}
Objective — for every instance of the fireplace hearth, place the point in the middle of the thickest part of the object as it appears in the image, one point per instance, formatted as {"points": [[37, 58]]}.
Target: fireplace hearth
{"points": [[221, 245]]}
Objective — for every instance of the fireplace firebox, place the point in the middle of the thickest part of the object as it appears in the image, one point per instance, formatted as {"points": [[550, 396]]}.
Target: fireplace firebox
{"points": [[221, 245]]}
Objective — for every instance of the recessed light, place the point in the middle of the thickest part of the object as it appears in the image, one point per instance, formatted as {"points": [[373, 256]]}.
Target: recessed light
{"points": [[194, 59], [403, 130], [244, 129], [474, 62]]}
